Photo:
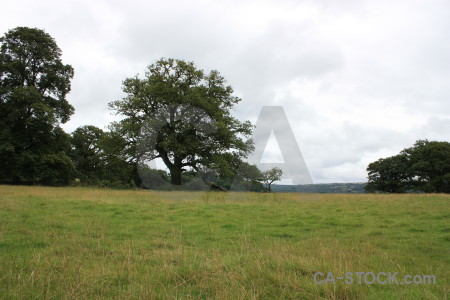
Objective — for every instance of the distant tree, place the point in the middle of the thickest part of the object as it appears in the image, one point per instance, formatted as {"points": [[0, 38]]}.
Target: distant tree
{"points": [[270, 176], [424, 167], [87, 153], [389, 175], [196, 130], [117, 170], [33, 87], [242, 176]]}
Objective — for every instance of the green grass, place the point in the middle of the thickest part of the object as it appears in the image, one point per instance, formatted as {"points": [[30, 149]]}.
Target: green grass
{"points": [[85, 243]]}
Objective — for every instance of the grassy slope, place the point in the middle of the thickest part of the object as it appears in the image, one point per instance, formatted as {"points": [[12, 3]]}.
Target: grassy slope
{"points": [[89, 243]]}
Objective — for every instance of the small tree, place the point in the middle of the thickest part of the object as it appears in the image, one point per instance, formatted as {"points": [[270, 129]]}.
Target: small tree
{"points": [[270, 176]]}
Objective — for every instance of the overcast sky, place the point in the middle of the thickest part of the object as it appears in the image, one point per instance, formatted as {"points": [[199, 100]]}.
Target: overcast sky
{"points": [[358, 80]]}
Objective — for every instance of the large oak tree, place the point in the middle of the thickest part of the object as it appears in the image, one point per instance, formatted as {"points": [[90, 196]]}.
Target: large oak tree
{"points": [[186, 114]]}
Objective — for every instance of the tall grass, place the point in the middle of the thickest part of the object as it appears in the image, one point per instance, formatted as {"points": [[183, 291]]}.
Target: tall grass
{"points": [[90, 243]]}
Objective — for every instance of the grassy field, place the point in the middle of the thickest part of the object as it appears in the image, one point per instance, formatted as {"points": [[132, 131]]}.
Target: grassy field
{"points": [[85, 243]]}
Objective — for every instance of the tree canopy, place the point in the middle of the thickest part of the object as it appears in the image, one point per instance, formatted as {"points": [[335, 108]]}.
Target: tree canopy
{"points": [[33, 87], [424, 167], [186, 113]]}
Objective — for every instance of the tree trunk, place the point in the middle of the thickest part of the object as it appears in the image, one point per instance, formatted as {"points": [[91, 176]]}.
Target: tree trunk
{"points": [[175, 176]]}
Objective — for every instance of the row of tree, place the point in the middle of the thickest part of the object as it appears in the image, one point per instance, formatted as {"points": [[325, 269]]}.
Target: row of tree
{"points": [[176, 113]]}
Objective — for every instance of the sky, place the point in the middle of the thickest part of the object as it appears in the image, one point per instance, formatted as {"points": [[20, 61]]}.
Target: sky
{"points": [[358, 80]]}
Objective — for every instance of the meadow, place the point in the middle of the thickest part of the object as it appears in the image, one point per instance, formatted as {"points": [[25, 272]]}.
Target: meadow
{"points": [[86, 243]]}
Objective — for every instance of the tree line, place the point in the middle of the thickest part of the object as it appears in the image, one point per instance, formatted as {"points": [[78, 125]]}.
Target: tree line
{"points": [[176, 113], [186, 114]]}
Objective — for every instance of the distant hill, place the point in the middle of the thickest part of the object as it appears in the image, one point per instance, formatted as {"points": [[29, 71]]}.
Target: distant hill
{"points": [[340, 188]]}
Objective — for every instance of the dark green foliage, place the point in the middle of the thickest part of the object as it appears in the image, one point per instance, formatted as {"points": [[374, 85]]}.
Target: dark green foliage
{"points": [[31, 67], [429, 166], [33, 88], [55, 169], [87, 153], [424, 167], [118, 170], [389, 175], [99, 160]]}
